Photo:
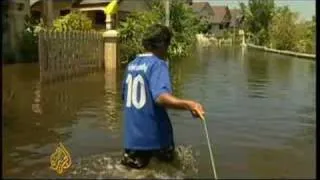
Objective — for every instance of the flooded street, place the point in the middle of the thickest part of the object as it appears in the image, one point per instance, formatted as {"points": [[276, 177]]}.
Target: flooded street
{"points": [[260, 111]]}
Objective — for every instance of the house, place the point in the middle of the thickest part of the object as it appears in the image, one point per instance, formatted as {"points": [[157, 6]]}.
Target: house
{"points": [[203, 10], [49, 9], [221, 19], [189, 2], [93, 8], [95, 11], [237, 18]]}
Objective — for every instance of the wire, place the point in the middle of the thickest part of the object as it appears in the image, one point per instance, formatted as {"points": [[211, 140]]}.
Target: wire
{"points": [[209, 147]]}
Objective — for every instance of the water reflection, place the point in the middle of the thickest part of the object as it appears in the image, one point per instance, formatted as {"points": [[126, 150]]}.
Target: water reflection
{"points": [[279, 162], [282, 68], [289, 158], [112, 100], [180, 70], [36, 106], [257, 76], [48, 110]]}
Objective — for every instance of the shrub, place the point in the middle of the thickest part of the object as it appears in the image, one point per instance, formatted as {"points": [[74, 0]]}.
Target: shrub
{"points": [[183, 23], [76, 20], [28, 40]]}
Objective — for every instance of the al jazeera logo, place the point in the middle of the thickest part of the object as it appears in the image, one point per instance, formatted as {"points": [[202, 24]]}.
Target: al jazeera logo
{"points": [[60, 160]]}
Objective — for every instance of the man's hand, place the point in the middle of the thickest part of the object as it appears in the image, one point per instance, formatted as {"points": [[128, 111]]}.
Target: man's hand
{"points": [[196, 109], [170, 101]]}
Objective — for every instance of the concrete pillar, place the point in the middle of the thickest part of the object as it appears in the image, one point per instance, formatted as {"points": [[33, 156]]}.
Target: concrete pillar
{"points": [[242, 34], [111, 49], [108, 22], [111, 46]]}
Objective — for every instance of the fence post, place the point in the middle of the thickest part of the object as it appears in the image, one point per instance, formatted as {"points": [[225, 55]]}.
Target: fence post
{"points": [[111, 49]]}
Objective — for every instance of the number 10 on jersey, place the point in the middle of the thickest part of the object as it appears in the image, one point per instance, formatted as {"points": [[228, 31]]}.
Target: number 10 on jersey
{"points": [[133, 83]]}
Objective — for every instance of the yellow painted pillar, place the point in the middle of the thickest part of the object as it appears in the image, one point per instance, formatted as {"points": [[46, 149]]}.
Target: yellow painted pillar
{"points": [[108, 22], [111, 49], [111, 61], [111, 43]]}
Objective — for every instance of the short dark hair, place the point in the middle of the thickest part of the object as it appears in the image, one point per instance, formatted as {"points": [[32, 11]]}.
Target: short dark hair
{"points": [[156, 36]]}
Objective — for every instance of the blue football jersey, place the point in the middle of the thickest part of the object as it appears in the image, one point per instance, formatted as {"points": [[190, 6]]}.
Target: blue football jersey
{"points": [[146, 125]]}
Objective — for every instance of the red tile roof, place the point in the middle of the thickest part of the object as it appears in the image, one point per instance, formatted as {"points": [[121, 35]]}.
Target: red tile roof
{"points": [[198, 6], [219, 13]]}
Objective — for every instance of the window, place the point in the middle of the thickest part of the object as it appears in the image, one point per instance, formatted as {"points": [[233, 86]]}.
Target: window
{"points": [[100, 17], [189, 2], [220, 26], [36, 15], [20, 6], [64, 12], [227, 25]]}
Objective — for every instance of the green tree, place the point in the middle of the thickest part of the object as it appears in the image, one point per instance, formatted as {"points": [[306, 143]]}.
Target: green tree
{"points": [[288, 33], [183, 23], [75, 20], [131, 33], [258, 16], [28, 46], [284, 30], [204, 25], [185, 26], [311, 35]]}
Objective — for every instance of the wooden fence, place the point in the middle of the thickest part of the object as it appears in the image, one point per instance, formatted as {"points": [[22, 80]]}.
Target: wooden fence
{"points": [[68, 54]]}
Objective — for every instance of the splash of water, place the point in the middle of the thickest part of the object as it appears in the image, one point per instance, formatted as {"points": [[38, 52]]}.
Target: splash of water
{"points": [[106, 165]]}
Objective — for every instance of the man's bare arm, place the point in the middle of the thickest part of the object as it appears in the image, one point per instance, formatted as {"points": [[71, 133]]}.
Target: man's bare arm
{"points": [[169, 101]]}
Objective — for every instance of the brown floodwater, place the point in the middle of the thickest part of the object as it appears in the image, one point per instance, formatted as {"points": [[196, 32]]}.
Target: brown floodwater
{"points": [[260, 111]]}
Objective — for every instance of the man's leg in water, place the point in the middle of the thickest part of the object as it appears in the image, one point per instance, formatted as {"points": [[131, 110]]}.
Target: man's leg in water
{"points": [[165, 154], [136, 159], [140, 159]]}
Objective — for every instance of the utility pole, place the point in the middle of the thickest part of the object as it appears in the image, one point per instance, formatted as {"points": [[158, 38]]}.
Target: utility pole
{"points": [[48, 12], [167, 7]]}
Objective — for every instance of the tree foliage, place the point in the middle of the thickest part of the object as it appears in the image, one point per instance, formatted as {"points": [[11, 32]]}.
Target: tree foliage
{"points": [[28, 46], [28, 41], [278, 27], [204, 25], [284, 31], [131, 33], [258, 16], [288, 33], [75, 20], [183, 23]]}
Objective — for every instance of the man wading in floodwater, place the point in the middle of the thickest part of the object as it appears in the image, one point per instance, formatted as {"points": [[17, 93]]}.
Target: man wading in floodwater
{"points": [[146, 94]]}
